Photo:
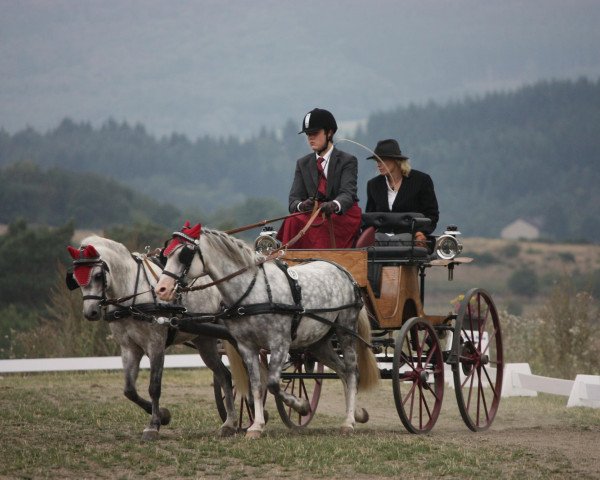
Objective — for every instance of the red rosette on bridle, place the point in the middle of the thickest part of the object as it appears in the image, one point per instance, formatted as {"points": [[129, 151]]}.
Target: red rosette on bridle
{"points": [[188, 234], [84, 259]]}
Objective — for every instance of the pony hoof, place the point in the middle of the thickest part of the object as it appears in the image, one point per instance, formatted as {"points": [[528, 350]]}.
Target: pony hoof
{"points": [[346, 430], [226, 432], [304, 408], [252, 434], [165, 416], [150, 435], [362, 417]]}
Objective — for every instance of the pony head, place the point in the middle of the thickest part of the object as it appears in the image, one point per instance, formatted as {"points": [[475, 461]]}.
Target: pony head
{"points": [[188, 234], [84, 259]]}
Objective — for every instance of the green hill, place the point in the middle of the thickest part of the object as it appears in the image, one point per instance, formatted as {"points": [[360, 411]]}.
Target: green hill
{"points": [[57, 196]]}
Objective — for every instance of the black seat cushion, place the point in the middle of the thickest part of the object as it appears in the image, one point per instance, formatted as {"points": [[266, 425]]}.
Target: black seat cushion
{"points": [[394, 222]]}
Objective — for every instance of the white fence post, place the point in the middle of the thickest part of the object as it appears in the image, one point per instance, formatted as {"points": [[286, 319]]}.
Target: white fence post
{"points": [[585, 392], [512, 385]]}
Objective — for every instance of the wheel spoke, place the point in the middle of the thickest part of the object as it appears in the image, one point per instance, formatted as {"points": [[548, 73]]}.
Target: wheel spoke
{"points": [[470, 377], [481, 399], [467, 377], [410, 392], [424, 400], [490, 382], [430, 355]]}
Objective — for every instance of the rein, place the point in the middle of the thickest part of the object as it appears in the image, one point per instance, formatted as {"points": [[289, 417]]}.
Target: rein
{"points": [[273, 255], [261, 223]]}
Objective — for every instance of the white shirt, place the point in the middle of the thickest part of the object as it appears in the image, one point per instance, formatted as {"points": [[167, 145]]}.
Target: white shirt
{"points": [[391, 193]]}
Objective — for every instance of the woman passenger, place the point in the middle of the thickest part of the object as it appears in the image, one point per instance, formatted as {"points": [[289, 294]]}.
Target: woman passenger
{"points": [[400, 188]]}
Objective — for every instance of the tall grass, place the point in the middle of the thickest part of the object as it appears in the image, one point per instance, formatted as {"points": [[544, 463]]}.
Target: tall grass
{"points": [[562, 339], [63, 331]]}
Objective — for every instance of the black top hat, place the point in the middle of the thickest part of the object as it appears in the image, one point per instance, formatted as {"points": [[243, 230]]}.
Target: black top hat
{"points": [[318, 119], [388, 149]]}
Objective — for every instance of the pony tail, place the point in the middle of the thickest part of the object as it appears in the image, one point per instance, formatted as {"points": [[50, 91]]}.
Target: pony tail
{"points": [[238, 369], [368, 370]]}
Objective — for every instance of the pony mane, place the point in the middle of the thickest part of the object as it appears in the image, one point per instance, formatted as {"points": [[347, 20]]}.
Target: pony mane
{"points": [[231, 247]]}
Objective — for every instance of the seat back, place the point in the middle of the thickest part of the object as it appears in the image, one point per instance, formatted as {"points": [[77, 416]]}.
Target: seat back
{"points": [[366, 238]]}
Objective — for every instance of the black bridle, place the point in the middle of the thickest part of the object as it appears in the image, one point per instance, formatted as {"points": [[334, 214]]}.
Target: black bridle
{"points": [[72, 284], [190, 248], [121, 311]]}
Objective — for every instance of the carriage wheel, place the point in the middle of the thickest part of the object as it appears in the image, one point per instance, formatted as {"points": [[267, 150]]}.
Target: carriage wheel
{"points": [[418, 375], [479, 370], [246, 404], [309, 388]]}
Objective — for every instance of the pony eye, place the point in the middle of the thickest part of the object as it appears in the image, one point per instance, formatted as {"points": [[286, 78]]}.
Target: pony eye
{"points": [[98, 276]]}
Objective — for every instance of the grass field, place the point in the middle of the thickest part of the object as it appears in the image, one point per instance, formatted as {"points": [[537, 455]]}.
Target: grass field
{"points": [[80, 426]]}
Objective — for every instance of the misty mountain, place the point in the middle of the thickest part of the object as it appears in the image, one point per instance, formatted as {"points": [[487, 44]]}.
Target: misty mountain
{"points": [[229, 68]]}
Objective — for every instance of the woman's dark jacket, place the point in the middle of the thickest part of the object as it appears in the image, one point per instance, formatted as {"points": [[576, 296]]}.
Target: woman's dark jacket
{"points": [[416, 194]]}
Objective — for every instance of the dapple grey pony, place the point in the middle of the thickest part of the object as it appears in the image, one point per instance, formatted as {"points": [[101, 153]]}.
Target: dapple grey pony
{"points": [[105, 269], [195, 251]]}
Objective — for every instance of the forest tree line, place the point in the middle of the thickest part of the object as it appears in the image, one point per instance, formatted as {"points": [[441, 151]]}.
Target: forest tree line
{"points": [[531, 153]]}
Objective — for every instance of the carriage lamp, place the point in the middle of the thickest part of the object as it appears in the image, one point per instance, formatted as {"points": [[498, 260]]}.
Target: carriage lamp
{"points": [[266, 241], [447, 246]]}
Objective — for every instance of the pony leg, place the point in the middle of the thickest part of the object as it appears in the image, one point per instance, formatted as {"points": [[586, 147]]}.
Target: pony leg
{"points": [[157, 360], [207, 348], [326, 354], [131, 356], [250, 357], [278, 357], [351, 377]]}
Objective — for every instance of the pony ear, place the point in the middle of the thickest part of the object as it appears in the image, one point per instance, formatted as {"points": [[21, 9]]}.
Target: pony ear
{"points": [[90, 252], [194, 231], [186, 224], [73, 252]]}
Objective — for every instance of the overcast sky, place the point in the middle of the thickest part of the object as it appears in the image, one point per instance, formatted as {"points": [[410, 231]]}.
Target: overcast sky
{"points": [[222, 67]]}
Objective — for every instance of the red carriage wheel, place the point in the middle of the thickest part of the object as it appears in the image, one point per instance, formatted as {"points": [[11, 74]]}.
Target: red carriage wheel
{"points": [[478, 368], [300, 378], [418, 375]]}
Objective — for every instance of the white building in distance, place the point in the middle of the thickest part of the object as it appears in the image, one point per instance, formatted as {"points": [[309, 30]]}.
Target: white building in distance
{"points": [[520, 230]]}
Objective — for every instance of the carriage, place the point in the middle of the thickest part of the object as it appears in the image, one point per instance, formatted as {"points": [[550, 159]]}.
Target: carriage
{"points": [[415, 350], [383, 319]]}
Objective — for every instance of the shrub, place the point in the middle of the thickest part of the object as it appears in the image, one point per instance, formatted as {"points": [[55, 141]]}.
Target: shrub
{"points": [[485, 258], [511, 250], [523, 282], [566, 257], [14, 319], [561, 340]]}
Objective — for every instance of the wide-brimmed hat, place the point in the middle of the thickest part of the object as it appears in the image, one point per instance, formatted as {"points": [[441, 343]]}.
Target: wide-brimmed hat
{"points": [[388, 149]]}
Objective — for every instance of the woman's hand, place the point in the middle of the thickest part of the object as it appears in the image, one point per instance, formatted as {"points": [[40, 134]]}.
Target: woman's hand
{"points": [[420, 239]]}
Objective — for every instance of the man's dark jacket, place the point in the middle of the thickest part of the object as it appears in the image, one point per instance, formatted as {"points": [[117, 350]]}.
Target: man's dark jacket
{"points": [[342, 172]]}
